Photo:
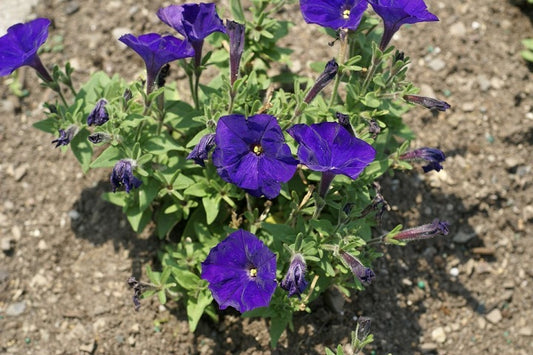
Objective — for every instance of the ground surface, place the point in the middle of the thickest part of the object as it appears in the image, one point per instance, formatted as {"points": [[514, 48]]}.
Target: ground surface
{"points": [[66, 254]]}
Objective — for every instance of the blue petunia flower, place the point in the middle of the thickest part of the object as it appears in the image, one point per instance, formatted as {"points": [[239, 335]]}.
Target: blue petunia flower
{"points": [[98, 115], [194, 22], [200, 151], [65, 136], [122, 175], [396, 13], [19, 46], [363, 273], [241, 272], [335, 14], [432, 156], [329, 148], [156, 51], [294, 281], [252, 154]]}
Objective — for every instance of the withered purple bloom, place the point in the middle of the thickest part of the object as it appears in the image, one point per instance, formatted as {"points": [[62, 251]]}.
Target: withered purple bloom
{"points": [[98, 115], [194, 22], [432, 156], [425, 231], [335, 14], [344, 120], [236, 47], [396, 13], [122, 175], [156, 51], [330, 70], [19, 46], [364, 274], [329, 148], [241, 272], [99, 137], [200, 151], [65, 136], [427, 102], [294, 281], [252, 154]]}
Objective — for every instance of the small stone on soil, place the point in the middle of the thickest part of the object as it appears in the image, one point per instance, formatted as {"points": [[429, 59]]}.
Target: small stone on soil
{"points": [[438, 335], [495, 316], [16, 309]]}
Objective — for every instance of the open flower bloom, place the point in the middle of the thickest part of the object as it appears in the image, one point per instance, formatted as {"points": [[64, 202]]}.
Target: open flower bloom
{"points": [[294, 281], [19, 46], [432, 156], [241, 272], [329, 148], [156, 51], [122, 175], [395, 13], [194, 22], [98, 115], [252, 154], [335, 14]]}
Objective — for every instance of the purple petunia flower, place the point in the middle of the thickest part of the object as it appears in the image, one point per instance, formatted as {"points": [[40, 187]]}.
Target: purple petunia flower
{"points": [[236, 47], [294, 281], [396, 13], [122, 175], [65, 136], [98, 115], [252, 154], [427, 102], [241, 272], [364, 274], [329, 148], [433, 156], [425, 231], [200, 151], [335, 14], [194, 22], [156, 51], [19, 46]]}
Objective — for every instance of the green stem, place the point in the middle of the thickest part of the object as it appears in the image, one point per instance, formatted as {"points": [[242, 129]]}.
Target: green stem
{"points": [[373, 66], [343, 35]]}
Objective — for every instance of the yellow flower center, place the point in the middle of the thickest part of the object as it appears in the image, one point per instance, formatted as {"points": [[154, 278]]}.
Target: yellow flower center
{"points": [[253, 272], [346, 14], [257, 149]]}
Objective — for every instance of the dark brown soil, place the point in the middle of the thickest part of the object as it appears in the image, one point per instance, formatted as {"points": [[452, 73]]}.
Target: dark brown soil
{"points": [[66, 254]]}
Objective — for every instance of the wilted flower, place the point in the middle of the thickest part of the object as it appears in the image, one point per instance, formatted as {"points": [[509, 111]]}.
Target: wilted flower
{"points": [[200, 151], [373, 128], [156, 51], [344, 120], [194, 22], [431, 155], [252, 154], [335, 14], [329, 148], [396, 13], [99, 137], [19, 46], [330, 70], [364, 274], [294, 281], [427, 102], [65, 136], [241, 272], [98, 115], [236, 47], [425, 231], [122, 175]]}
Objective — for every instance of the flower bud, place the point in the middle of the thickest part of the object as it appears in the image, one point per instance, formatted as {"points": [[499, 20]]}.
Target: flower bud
{"points": [[294, 281], [427, 102], [425, 231], [236, 46], [364, 274], [431, 155], [323, 80], [200, 151]]}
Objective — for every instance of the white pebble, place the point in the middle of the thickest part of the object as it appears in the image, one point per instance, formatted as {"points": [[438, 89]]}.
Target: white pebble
{"points": [[454, 271]]}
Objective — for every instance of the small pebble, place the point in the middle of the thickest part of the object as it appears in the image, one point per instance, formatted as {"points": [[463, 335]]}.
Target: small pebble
{"points": [[438, 335], [454, 271], [495, 316], [16, 309]]}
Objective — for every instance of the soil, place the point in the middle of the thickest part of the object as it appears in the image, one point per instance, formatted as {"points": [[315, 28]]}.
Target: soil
{"points": [[66, 254]]}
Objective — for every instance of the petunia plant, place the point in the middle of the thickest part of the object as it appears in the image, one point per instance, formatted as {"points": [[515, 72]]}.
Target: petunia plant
{"points": [[264, 187]]}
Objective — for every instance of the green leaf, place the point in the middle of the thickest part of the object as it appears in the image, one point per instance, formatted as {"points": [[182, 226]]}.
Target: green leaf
{"points": [[48, 125], [138, 218], [162, 296], [236, 10], [211, 206], [109, 157], [82, 149], [527, 55], [147, 193], [371, 100], [277, 326], [195, 308], [116, 198], [186, 279]]}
